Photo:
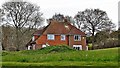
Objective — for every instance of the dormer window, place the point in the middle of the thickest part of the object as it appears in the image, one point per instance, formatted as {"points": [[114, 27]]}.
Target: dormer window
{"points": [[50, 37]]}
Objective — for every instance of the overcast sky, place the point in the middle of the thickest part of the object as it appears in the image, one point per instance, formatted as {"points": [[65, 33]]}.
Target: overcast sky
{"points": [[71, 7]]}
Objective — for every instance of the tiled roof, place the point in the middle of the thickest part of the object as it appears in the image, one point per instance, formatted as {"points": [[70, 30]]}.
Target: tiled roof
{"points": [[60, 28], [40, 31]]}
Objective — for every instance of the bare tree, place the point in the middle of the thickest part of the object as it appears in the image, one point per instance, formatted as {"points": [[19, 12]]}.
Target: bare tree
{"points": [[7, 37], [70, 19], [23, 16], [93, 20], [61, 18], [1, 15]]}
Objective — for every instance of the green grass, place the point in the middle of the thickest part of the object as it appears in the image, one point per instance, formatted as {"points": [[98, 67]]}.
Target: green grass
{"points": [[61, 56], [61, 63]]}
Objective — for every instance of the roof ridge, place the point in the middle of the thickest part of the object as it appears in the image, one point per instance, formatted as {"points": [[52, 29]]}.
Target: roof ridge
{"points": [[45, 28]]}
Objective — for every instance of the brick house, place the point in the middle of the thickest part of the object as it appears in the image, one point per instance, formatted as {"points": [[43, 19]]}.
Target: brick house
{"points": [[56, 33]]}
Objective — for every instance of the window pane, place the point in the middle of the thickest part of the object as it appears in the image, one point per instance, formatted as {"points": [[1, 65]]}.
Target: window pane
{"points": [[62, 37], [77, 37], [50, 37], [78, 47]]}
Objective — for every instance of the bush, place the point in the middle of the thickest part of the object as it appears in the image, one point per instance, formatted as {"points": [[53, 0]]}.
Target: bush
{"points": [[61, 49], [57, 48], [107, 44], [11, 48], [50, 49], [90, 46]]}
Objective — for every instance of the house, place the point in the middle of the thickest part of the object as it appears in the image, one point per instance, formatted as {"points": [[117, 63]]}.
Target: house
{"points": [[56, 33]]}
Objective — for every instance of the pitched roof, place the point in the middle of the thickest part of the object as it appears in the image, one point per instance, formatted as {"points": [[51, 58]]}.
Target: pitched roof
{"points": [[56, 27], [40, 31]]}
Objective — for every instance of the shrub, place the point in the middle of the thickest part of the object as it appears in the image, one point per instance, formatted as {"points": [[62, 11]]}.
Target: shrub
{"points": [[107, 44], [50, 49], [90, 46], [11, 48], [61, 48]]}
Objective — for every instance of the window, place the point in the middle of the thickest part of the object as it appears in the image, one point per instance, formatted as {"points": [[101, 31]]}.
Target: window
{"points": [[50, 37], [62, 37], [77, 38], [78, 47]]}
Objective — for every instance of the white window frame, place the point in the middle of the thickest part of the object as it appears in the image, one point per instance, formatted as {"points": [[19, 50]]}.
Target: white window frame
{"points": [[78, 47], [50, 37], [79, 38], [63, 37]]}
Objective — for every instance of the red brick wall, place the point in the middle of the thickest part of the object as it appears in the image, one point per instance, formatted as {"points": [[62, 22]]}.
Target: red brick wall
{"points": [[84, 43], [43, 40], [81, 42], [38, 46]]}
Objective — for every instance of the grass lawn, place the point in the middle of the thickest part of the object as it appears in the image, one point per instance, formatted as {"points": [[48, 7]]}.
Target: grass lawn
{"points": [[61, 63], [57, 56]]}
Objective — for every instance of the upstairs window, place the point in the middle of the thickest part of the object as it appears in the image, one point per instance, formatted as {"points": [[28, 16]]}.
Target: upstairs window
{"points": [[77, 38], [50, 37], [62, 37]]}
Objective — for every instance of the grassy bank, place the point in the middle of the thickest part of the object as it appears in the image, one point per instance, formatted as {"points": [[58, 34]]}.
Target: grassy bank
{"points": [[61, 56]]}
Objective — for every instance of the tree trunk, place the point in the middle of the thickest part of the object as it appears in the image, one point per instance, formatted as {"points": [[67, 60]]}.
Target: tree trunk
{"points": [[17, 40], [93, 38], [0, 38]]}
